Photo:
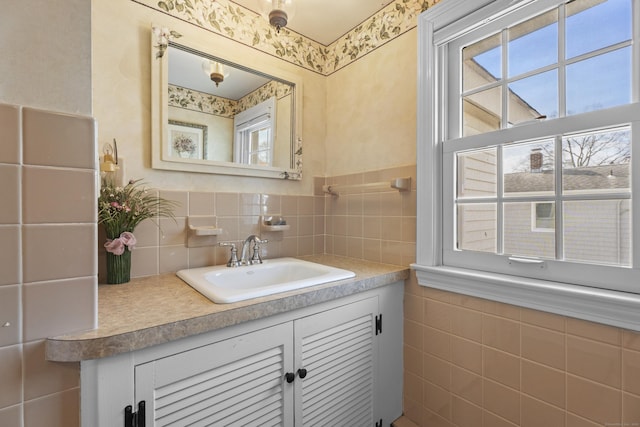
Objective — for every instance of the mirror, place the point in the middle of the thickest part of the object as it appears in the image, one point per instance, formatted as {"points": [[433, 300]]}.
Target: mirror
{"points": [[215, 115]]}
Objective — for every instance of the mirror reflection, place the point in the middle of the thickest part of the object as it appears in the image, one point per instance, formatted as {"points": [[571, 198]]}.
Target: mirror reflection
{"points": [[220, 117]]}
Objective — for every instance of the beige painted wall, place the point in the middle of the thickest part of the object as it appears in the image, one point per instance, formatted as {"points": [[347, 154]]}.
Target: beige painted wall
{"points": [[371, 116], [46, 55], [371, 110], [122, 60]]}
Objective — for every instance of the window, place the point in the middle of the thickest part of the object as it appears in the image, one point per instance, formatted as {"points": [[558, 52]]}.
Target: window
{"points": [[543, 216], [254, 134], [531, 117]]}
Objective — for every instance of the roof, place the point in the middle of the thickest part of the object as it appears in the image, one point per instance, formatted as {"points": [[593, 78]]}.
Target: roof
{"points": [[603, 177]]}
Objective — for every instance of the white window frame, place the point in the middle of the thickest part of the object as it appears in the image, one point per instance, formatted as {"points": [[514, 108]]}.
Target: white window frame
{"points": [[436, 26], [534, 219], [258, 117]]}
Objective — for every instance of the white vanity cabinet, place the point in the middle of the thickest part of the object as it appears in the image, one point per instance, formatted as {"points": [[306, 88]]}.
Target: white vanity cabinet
{"points": [[332, 364]]}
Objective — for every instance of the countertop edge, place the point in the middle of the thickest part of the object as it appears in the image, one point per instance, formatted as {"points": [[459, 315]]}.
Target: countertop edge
{"points": [[75, 347]]}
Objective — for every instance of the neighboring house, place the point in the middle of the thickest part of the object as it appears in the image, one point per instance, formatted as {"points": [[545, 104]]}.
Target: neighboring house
{"points": [[596, 230]]}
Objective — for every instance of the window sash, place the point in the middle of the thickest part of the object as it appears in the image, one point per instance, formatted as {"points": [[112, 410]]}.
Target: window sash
{"points": [[610, 277], [495, 23]]}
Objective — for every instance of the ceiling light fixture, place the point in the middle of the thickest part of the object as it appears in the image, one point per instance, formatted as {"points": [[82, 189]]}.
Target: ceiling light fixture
{"points": [[214, 70], [279, 12]]}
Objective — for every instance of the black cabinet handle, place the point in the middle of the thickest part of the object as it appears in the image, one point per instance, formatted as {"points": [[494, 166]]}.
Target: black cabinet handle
{"points": [[302, 372], [289, 376], [128, 416]]}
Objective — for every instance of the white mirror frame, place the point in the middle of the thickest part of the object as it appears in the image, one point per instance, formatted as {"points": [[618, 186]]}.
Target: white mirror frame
{"points": [[160, 119]]}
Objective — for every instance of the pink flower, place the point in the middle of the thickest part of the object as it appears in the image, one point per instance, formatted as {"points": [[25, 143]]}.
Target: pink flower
{"points": [[128, 239], [115, 246]]}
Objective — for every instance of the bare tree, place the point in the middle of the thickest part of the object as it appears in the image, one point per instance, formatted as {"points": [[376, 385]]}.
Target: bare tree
{"points": [[597, 149], [594, 149]]}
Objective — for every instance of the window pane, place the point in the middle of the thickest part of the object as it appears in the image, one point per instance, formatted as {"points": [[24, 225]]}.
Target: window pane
{"points": [[593, 27], [263, 158], [255, 140], [600, 82], [477, 227], [264, 139], [528, 168], [482, 63], [529, 229], [533, 44], [482, 112], [544, 216], [477, 173], [596, 161], [533, 98], [598, 231]]}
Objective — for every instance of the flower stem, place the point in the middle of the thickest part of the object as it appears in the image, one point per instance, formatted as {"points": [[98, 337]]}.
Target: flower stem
{"points": [[118, 267]]}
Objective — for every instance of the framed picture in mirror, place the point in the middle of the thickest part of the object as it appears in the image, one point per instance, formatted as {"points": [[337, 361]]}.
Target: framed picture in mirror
{"points": [[187, 140]]}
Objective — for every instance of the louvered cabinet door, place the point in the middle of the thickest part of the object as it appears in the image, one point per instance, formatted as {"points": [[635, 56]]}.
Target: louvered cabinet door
{"points": [[337, 348], [236, 382]]}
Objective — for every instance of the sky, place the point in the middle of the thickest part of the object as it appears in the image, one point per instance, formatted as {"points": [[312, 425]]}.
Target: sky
{"points": [[595, 83]]}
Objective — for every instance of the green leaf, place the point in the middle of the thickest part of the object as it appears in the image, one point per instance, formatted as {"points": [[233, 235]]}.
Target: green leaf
{"points": [[163, 5], [214, 22]]}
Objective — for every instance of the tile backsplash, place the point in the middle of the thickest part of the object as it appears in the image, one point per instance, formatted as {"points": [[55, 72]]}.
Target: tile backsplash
{"points": [[164, 249], [377, 226]]}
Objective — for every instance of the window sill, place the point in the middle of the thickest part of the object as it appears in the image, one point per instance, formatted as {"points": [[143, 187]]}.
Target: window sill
{"points": [[597, 305]]}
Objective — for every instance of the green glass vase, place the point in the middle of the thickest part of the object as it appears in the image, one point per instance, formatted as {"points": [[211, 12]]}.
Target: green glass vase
{"points": [[119, 267]]}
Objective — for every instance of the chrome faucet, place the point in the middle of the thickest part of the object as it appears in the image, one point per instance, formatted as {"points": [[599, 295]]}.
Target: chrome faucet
{"points": [[255, 258], [244, 259], [233, 259]]}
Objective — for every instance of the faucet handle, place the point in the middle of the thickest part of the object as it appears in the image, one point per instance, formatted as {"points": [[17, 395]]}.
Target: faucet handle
{"points": [[233, 259], [256, 258]]}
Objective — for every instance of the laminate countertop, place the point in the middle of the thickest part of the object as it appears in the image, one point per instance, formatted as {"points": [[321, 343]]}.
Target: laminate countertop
{"points": [[158, 309]]}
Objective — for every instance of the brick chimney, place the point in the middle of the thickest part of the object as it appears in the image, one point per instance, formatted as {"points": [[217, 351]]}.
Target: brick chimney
{"points": [[535, 160]]}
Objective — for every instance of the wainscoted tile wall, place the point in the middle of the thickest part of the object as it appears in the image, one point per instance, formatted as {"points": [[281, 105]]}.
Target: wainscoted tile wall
{"points": [[376, 226], [48, 234], [472, 363], [164, 249]]}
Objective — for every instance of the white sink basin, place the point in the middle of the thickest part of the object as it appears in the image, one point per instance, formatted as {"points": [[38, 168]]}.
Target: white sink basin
{"points": [[222, 284]]}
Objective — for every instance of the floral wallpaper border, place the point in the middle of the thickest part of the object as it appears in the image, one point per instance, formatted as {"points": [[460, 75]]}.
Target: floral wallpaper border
{"points": [[264, 92], [235, 22], [190, 99]]}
